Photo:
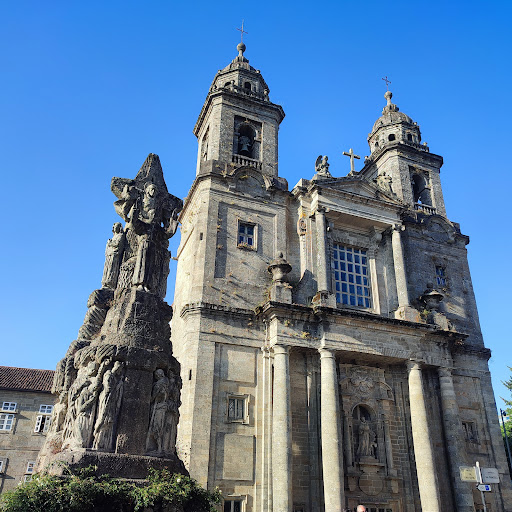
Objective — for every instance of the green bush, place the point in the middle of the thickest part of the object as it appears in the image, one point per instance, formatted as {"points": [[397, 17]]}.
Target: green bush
{"points": [[83, 491]]}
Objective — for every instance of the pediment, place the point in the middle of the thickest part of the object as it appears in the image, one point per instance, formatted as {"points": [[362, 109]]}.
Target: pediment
{"points": [[361, 188]]}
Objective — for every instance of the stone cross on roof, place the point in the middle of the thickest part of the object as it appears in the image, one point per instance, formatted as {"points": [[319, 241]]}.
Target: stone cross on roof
{"points": [[352, 156], [242, 32]]}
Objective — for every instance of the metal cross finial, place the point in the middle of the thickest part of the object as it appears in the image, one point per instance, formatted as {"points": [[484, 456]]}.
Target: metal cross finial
{"points": [[385, 80], [352, 156], [242, 31]]}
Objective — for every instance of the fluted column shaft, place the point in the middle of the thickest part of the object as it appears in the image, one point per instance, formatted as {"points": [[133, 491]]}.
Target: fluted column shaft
{"points": [[399, 264], [454, 441], [330, 427], [281, 432], [425, 467], [322, 260]]}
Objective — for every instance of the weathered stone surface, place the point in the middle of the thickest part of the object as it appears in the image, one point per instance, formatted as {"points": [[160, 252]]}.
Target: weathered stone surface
{"points": [[119, 384]]}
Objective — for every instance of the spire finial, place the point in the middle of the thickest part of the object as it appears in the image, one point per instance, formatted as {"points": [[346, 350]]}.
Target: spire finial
{"points": [[385, 80], [241, 46], [388, 95]]}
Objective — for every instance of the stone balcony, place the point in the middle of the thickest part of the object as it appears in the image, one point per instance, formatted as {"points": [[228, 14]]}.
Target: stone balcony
{"points": [[246, 162], [425, 208]]}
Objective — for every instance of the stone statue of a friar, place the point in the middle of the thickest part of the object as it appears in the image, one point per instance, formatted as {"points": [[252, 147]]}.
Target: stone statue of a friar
{"points": [[118, 386]]}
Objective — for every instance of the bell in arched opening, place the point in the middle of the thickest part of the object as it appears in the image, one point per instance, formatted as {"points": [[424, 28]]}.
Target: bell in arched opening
{"points": [[246, 140]]}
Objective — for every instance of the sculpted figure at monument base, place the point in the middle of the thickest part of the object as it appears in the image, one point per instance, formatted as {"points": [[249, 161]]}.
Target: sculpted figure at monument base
{"points": [[118, 385]]}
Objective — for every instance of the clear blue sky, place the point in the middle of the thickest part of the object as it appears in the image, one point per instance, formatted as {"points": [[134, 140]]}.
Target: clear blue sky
{"points": [[88, 89]]}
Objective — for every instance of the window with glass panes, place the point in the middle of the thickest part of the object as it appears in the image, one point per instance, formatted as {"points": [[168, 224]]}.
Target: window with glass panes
{"points": [[236, 408], [9, 406], [246, 234], [351, 276], [233, 506], [6, 421], [440, 276]]}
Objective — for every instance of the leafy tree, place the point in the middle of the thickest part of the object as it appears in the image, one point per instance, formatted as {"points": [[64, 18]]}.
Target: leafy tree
{"points": [[83, 491], [507, 427]]}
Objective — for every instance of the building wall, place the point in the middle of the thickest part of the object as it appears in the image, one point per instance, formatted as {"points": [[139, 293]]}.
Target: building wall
{"points": [[21, 444]]}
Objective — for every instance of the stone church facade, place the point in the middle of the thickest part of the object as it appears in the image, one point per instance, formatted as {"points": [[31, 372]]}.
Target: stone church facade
{"points": [[328, 335]]}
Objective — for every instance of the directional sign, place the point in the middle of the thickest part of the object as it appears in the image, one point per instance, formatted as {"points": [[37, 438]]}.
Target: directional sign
{"points": [[483, 487], [490, 475], [468, 473]]}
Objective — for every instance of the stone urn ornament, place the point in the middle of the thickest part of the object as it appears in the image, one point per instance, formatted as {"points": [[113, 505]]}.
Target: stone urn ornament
{"points": [[279, 268]]}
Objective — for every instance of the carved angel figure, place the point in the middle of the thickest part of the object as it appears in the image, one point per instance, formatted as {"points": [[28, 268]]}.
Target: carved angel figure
{"points": [[322, 167]]}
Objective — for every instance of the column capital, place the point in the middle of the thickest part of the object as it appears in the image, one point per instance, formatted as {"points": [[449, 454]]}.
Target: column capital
{"points": [[322, 210], [414, 364], [397, 228], [281, 349], [444, 371], [326, 352]]}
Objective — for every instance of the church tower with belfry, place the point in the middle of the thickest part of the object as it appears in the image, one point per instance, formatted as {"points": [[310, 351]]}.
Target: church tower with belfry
{"points": [[328, 335]]}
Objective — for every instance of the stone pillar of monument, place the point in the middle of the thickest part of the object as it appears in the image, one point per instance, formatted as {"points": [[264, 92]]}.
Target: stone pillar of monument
{"points": [[281, 432], [330, 427], [454, 441], [119, 385], [404, 311], [425, 467]]}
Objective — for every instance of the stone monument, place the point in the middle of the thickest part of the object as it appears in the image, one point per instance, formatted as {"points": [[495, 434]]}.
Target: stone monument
{"points": [[119, 384]]}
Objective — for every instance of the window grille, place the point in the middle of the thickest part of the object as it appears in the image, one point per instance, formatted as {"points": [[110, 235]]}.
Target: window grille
{"points": [[233, 506], [236, 408], [352, 282], [6, 421], [440, 276]]}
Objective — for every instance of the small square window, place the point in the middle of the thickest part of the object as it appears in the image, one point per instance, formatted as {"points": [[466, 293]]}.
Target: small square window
{"points": [[440, 276], [233, 505], [30, 467], [237, 409], [246, 238], [9, 406], [470, 431], [46, 409], [6, 421], [43, 423]]}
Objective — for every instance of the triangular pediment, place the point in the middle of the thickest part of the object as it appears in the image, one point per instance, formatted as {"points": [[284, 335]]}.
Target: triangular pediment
{"points": [[360, 187]]}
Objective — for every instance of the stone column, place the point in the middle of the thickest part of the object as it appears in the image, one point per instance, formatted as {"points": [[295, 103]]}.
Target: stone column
{"points": [[454, 441], [425, 467], [281, 432], [399, 263], [334, 485], [404, 311], [322, 260]]}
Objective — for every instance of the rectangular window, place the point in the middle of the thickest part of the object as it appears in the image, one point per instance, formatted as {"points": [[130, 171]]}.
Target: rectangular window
{"points": [[30, 467], [233, 506], [1, 466], [440, 276], [27, 478], [246, 235], [6, 421], [470, 432], [9, 406], [236, 409], [43, 423], [46, 409], [351, 277]]}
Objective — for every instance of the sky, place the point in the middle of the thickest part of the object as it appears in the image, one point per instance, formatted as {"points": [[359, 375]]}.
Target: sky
{"points": [[88, 89]]}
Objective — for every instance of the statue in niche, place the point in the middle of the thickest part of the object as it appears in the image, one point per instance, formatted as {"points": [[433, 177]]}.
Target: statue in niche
{"points": [[367, 445], [113, 257], [109, 403], [322, 166], [155, 442], [384, 183]]}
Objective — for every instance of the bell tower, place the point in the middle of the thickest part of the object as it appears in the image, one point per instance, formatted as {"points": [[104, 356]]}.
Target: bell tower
{"points": [[238, 124], [398, 153]]}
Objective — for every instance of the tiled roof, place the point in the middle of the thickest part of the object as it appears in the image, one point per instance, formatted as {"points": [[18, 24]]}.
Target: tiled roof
{"points": [[26, 379]]}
